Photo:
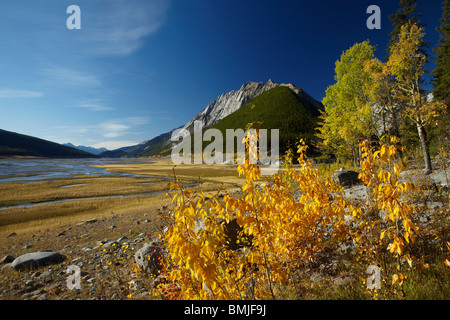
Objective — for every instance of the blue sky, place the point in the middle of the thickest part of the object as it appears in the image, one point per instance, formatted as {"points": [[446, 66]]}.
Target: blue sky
{"points": [[139, 68]]}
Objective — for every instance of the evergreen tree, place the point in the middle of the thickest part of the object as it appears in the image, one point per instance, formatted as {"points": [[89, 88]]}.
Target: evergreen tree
{"points": [[441, 81], [407, 66], [392, 107], [406, 14], [441, 86]]}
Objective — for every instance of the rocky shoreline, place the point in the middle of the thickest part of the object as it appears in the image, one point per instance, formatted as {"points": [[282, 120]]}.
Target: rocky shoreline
{"points": [[37, 266], [119, 256]]}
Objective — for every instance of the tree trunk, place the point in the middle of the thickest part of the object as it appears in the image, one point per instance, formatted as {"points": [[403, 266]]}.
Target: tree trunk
{"points": [[425, 148], [396, 131]]}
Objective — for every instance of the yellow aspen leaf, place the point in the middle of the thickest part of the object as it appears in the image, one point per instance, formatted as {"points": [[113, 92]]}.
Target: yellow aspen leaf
{"points": [[395, 278], [447, 263], [396, 212], [382, 151], [412, 237], [408, 259], [399, 249], [406, 236]]}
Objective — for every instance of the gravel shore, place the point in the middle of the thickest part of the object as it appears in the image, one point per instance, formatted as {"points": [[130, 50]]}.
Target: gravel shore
{"points": [[102, 251]]}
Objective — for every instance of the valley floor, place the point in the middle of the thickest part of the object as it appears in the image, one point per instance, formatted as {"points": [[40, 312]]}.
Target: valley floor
{"points": [[101, 236]]}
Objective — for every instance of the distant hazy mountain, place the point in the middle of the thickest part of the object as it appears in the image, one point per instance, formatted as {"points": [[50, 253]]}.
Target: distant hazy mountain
{"points": [[15, 144], [92, 150], [124, 152], [156, 146], [225, 105]]}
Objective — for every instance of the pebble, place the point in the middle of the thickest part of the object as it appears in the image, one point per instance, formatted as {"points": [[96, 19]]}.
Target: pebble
{"points": [[7, 259], [41, 282], [29, 283]]}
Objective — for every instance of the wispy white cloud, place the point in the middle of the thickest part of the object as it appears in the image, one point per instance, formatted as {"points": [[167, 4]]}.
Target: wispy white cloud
{"points": [[72, 77], [121, 27], [113, 129], [20, 94], [73, 130], [95, 107], [112, 134], [120, 127]]}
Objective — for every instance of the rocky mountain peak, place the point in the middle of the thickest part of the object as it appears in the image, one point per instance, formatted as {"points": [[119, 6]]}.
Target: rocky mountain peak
{"points": [[228, 103], [224, 105]]}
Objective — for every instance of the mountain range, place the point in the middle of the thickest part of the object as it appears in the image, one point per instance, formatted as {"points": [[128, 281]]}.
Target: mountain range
{"points": [[301, 107], [92, 150], [16, 144], [275, 106]]}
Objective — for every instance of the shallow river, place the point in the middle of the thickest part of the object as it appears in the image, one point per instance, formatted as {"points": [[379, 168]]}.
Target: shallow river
{"points": [[31, 170], [39, 169]]}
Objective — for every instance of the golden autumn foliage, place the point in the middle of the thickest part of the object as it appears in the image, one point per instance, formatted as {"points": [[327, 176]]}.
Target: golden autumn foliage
{"points": [[283, 225], [284, 233]]}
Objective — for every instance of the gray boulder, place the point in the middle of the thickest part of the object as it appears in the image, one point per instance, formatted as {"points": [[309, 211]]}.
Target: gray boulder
{"points": [[346, 177], [37, 259], [150, 259], [6, 259]]}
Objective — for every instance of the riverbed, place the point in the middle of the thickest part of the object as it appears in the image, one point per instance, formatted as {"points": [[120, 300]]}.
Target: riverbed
{"points": [[27, 170]]}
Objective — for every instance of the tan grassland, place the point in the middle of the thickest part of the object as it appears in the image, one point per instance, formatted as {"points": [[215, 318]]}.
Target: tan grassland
{"points": [[89, 195]]}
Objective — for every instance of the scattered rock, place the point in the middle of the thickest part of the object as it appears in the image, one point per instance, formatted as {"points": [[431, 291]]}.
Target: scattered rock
{"points": [[7, 259], [150, 259], [38, 294], [13, 234], [316, 277], [346, 178], [36, 274], [424, 219], [7, 266], [112, 244], [87, 222], [135, 284], [29, 283], [344, 279], [37, 259]]}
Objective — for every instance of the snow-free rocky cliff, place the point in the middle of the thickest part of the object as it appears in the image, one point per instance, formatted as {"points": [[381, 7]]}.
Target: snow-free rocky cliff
{"points": [[218, 109], [228, 103]]}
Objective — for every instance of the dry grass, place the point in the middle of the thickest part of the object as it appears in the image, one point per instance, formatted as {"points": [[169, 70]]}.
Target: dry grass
{"points": [[88, 195], [165, 168]]}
